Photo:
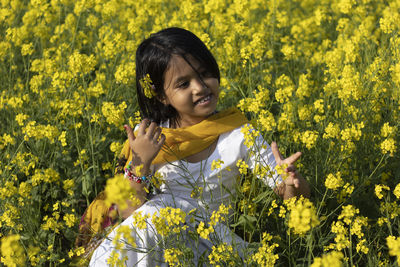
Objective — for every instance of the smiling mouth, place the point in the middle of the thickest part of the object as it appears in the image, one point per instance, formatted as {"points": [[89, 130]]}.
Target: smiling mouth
{"points": [[203, 100]]}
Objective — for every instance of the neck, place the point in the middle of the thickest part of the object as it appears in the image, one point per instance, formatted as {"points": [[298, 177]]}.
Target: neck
{"points": [[186, 122]]}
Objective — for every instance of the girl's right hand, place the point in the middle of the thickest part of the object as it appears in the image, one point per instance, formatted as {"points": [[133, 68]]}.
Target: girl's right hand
{"points": [[146, 145]]}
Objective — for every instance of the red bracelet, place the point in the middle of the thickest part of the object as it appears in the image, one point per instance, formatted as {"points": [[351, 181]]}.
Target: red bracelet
{"points": [[138, 179]]}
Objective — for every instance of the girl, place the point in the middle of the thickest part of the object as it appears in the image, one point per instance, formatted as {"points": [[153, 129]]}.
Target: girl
{"points": [[181, 138]]}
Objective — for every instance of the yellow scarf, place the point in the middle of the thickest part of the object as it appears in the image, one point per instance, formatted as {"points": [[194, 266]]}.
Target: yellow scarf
{"points": [[183, 142]]}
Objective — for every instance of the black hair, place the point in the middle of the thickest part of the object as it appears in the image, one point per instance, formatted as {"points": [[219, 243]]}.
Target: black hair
{"points": [[153, 57]]}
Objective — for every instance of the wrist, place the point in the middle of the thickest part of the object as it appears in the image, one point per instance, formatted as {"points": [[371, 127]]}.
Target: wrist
{"points": [[139, 168], [137, 174]]}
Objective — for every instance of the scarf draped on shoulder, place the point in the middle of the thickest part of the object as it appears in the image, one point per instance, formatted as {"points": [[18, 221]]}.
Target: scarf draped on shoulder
{"points": [[183, 142]]}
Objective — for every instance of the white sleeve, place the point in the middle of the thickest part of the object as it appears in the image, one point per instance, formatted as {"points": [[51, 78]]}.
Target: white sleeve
{"points": [[260, 155]]}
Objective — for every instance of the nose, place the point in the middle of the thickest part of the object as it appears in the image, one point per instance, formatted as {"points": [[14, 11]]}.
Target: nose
{"points": [[199, 86]]}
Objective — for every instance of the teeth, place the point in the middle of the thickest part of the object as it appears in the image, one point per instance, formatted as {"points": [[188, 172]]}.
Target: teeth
{"points": [[204, 99]]}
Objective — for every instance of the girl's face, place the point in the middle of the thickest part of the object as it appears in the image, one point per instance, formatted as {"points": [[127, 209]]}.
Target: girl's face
{"points": [[191, 90]]}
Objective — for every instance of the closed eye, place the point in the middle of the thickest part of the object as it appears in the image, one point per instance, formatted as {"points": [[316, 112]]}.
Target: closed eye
{"points": [[183, 84]]}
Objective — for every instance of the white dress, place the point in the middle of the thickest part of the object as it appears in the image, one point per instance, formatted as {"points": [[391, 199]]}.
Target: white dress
{"points": [[181, 178]]}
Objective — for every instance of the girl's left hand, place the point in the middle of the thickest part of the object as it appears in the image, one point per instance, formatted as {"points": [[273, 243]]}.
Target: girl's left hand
{"points": [[294, 184]]}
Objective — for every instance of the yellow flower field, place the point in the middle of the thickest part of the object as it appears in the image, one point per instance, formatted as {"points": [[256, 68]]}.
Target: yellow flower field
{"points": [[321, 77]]}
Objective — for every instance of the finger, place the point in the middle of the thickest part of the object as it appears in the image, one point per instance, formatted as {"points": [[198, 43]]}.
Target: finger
{"points": [[142, 127], [162, 140], [293, 158], [275, 151], [296, 183], [129, 132], [289, 181], [157, 133], [294, 180], [291, 168], [150, 130]]}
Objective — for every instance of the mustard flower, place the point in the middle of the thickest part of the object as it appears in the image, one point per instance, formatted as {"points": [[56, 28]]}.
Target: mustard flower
{"points": [[250, 134], [203, 231], [223, 254], [118, 190], [331, 131], [393, 244], [70, 220], [62, 138], [12, 252], [309, 138], [27, 49], [115, 259], [303, 215], [125, 232], [242, 165], [265, 254], [148, 87], [216, 164], [171, 256], [348, 213], [378, 190], [169, 220], [113, 114], [387, 130], [388, 146], [333, 181], [332, 259], [139, 220], [396, 191]]}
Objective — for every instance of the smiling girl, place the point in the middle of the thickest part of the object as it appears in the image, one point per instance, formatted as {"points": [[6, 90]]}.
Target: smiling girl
{"points": [[182, 135]]}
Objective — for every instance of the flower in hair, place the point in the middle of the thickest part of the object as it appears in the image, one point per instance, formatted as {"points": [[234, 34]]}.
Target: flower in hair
{"points": [[148, 87]]}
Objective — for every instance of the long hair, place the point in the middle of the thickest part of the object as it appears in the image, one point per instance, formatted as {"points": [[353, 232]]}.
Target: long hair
{"points": [[153, 57]]}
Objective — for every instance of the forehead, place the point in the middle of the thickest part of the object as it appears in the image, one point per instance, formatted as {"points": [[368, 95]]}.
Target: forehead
{"points": [[179, 67]]}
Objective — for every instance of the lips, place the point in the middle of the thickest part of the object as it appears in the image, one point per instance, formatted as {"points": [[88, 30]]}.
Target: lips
{"points": [[203, 100]]}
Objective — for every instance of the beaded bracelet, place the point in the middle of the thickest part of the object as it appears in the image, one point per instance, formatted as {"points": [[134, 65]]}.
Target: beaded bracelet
{"points": [[138, 179]]}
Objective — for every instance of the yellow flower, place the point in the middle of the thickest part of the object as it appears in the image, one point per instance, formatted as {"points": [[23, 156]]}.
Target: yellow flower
{"points": [[62, 138], [148, 87], [303, 215], [396, 191], [333, 259], [203, 231], [309, 138], [280, 169], [169, 220], [12, 252], [331, 131], [378, 190], [223, 254], [387, 130], [242, 166], [70, 220], [348, 213], [250, 135], [124, 232], [265, 254], [361, 246], [114, 115], [388, 146], [216, 164], [333, 181], [27, 49], [171, 256], [139, 220], [393, 244], [118, 190], [80, 63]]}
